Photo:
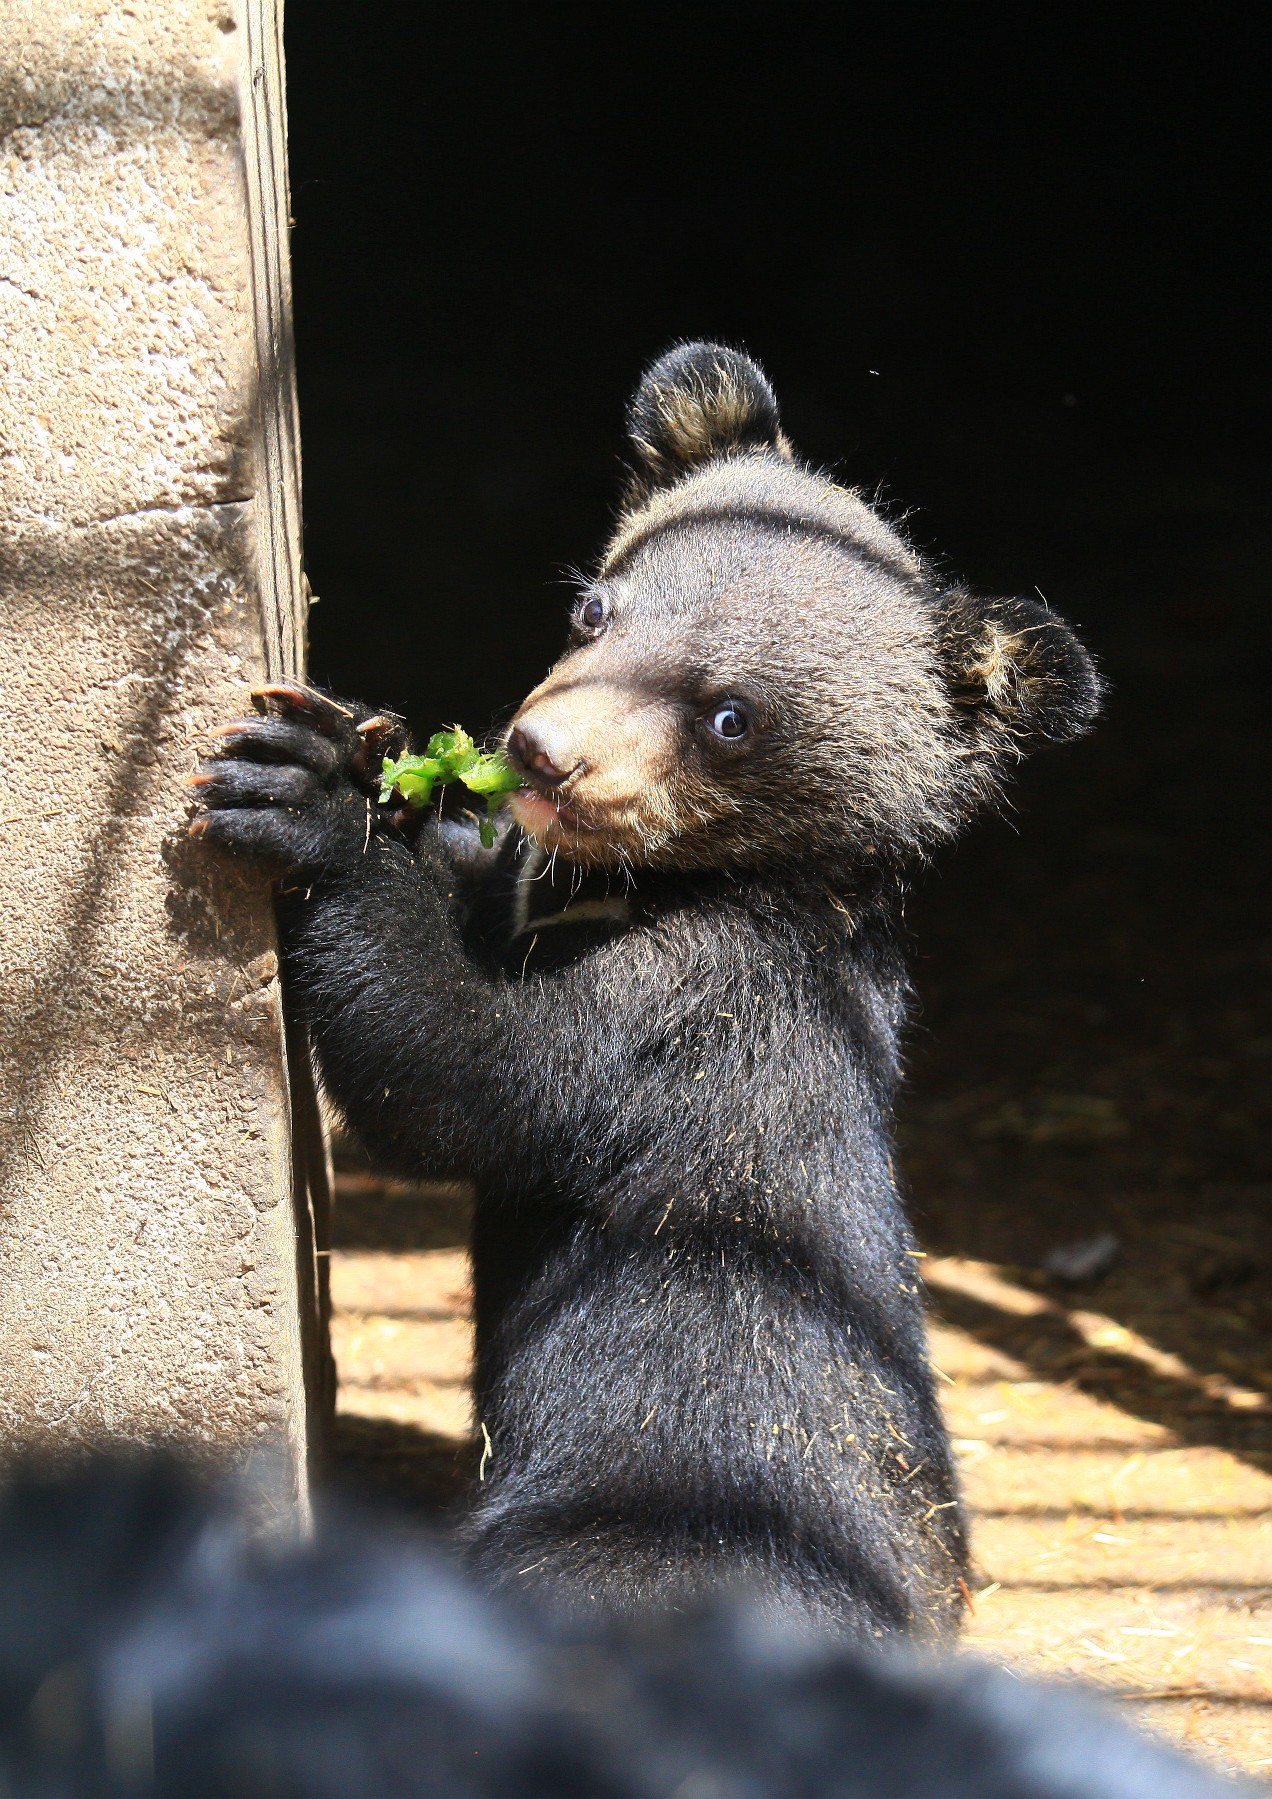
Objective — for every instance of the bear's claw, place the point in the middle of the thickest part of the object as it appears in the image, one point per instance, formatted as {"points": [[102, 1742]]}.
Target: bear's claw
{"points": [[381, 736], [295, 699]]}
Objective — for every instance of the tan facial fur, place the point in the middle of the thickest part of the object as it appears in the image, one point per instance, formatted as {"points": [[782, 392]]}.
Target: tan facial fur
{"points": [[618, 742]]}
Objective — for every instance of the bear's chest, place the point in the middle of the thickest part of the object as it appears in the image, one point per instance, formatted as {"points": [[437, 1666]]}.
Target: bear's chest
{"points": [[557, 913]]}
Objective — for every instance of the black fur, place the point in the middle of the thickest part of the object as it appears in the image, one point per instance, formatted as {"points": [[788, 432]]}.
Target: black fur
{"points": [[670, 1074], [149, 1646]]}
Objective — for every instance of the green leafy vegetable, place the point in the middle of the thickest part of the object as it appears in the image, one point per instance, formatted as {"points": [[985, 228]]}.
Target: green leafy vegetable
{"points": [[451, 756]]}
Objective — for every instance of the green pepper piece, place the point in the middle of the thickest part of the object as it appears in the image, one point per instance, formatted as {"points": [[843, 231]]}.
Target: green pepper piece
{"points": [[413, 776], [490, 774], [451, 756], [486, 829]]}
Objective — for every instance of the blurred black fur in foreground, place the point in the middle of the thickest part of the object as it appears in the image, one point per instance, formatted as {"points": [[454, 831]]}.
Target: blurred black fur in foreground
{"points": [[149, 1645]]}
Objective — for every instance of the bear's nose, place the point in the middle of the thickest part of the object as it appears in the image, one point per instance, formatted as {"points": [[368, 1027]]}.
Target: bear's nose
{"points": [[532, 753]]}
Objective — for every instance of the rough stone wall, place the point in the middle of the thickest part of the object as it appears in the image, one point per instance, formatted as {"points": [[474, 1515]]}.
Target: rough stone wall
{"points": [[156, 1272]]}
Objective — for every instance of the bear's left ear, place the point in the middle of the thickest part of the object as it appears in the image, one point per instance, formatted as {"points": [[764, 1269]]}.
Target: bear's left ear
{"points": [[1017, 673], [699, 401]]}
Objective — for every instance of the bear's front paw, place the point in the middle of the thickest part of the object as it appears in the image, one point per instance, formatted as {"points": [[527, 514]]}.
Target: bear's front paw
{"points": [[296, 786]]}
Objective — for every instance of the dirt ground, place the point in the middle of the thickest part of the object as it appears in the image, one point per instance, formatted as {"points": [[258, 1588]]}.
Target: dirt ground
{"points": [[1089, 1058]]}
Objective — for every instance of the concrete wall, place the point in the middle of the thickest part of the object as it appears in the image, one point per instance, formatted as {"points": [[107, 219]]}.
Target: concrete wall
{"points": [[157, 1268]]}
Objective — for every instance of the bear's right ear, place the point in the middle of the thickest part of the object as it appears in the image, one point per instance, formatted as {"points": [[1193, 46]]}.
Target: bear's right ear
{"points": [[697, 402]]}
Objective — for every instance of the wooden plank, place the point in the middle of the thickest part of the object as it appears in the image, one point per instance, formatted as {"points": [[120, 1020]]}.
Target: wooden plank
{"points": [[283, 594]]}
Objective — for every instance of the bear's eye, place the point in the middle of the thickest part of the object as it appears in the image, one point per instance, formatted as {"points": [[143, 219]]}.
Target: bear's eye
{"points": [[729, 722], [593, 615]]}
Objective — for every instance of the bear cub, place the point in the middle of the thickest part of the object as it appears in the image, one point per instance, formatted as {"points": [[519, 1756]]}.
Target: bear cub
{"points": [[657, 1025]]}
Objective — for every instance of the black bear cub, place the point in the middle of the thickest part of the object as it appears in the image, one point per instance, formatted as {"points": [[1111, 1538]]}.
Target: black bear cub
{"points": [[657, 1026]]}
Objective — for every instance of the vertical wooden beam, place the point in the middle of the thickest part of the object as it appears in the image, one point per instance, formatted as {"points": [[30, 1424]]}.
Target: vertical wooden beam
{"points": [[284, 596], [278, 513]]}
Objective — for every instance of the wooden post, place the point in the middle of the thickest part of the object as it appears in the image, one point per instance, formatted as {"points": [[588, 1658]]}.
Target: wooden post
{"points": [[160, 1218]]}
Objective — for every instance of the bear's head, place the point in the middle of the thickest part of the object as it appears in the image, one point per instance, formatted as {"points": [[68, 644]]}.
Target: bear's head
{"points": [[764, 675]]}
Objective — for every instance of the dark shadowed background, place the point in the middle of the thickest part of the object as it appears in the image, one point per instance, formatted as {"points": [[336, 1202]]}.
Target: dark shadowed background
{"points": [[1002, 265]]}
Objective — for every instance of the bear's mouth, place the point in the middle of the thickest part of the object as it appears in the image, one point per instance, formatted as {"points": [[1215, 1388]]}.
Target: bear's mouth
{"points": [[541, 817], [618, 832]]}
